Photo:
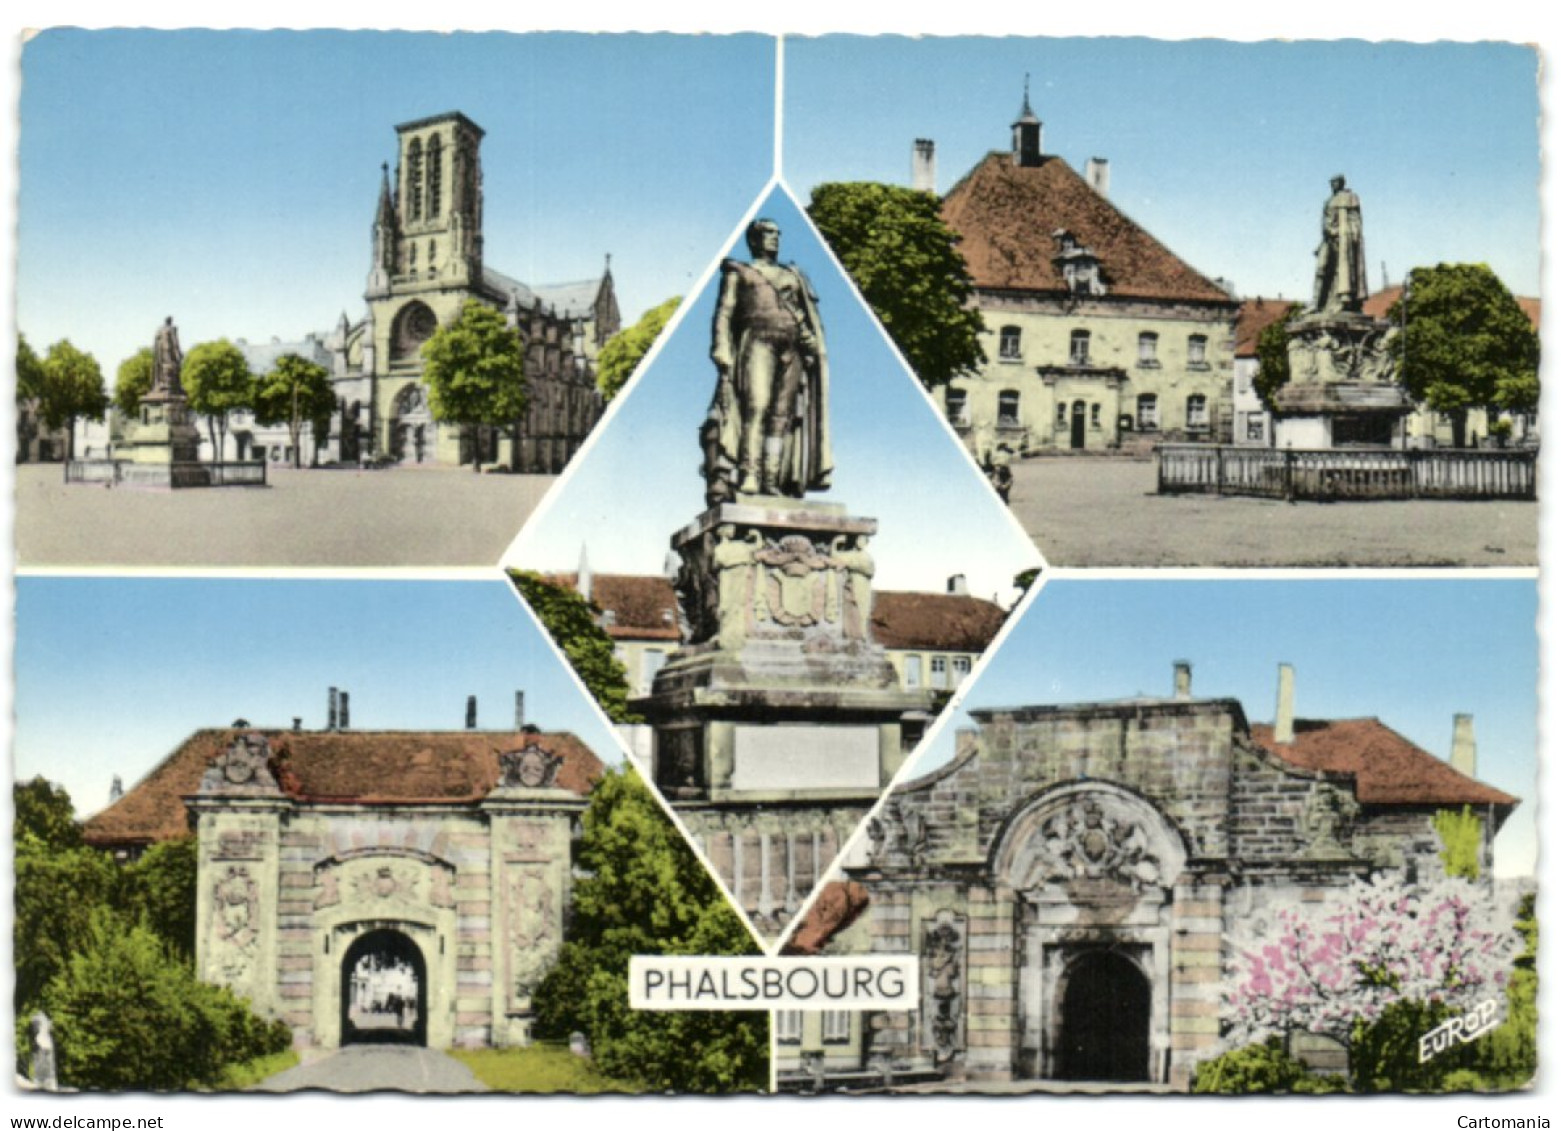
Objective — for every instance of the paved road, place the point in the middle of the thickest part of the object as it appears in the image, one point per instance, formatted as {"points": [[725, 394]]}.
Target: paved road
{"points": [[377, 1068], [409, 517], [1100, 511]]}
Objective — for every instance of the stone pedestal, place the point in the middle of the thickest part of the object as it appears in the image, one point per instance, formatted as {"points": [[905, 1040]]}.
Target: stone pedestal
{"points": [[1343, 388], [779, 691], [164, 445]]}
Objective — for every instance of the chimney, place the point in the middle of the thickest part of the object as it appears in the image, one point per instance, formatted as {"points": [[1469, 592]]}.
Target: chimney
{"points": [[1284, 713], [298, 723], [343, 719], [924, 165], [1183, 681], [116, 790], [471, 712], [1464, 751], [958, 587], [1097, 171], [331, 716], [520, 710], [584, 580]]}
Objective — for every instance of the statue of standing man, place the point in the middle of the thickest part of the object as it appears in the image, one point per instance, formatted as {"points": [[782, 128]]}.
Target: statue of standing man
{"points": [[767, 432], [1341, 257], [167, 358]]}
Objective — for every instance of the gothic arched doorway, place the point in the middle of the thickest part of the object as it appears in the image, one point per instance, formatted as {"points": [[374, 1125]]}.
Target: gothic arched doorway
{"points": [[1105, 1019], [384, 990]]}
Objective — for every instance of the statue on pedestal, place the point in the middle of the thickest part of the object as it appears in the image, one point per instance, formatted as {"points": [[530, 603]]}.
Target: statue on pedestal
{"points": [[1341, 257], [767, 431]]}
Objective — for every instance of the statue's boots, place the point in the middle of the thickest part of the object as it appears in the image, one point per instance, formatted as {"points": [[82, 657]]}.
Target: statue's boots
{"points": [[770, 470]]}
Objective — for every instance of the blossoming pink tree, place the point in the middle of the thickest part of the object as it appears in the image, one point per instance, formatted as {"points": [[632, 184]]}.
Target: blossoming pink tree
{"points": [[1322, 966]]}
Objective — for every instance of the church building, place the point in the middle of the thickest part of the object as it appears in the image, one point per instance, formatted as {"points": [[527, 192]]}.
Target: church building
{"points": [[372, 886], [1098, 338], [1072, 878]]}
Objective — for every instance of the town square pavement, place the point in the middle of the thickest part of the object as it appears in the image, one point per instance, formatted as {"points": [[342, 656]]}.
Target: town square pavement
{"points": [[398, 517], [1089, 511]]}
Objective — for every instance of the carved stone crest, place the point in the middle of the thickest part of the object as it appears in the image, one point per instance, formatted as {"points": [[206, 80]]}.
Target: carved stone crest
{"points": [[529, 768], [244, 765], [943, 985], [1091, 839], [236, 909], [897, 837]]}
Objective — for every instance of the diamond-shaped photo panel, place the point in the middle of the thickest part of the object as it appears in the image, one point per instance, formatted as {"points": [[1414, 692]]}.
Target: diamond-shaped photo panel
{"points": [[781, 543]]}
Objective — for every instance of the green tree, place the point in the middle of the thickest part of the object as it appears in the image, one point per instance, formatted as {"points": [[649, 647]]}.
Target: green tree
{"points": [[57, 892], [643, 891], [158, 891], [573, 624], [1273, 357], [1465, 343], [217, 380], [72, 390], [296, 391], [133, 381], [906, 262], [1463, 841], [624, 351], [476, 375], [29, 371], [129, 1015], [44, 816]]}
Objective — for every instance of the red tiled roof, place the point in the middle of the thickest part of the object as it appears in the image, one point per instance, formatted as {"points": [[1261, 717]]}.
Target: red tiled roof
{"points": [[1379, 304], [838, 905], [1388, 768], [643, 607], [1006, 216], [367, 767], [1257, 315], [944, 622]]}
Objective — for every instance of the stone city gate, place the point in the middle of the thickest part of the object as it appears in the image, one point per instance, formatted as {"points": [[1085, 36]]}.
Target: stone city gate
{"points": [[424, 905], [1091, 873]]}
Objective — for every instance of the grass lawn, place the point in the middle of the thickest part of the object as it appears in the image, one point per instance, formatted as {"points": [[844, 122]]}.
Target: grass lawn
{"points": [[237, 1077], [540, 1068]]}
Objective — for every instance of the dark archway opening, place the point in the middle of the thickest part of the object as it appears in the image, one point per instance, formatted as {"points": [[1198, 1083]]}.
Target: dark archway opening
{"points": [[1076, 437], [1105, 1019], [384, 991]]}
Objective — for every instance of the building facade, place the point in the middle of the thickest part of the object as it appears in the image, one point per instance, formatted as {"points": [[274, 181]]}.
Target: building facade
{"points": [[372, 886], [1071, 879], [1097, 337]]}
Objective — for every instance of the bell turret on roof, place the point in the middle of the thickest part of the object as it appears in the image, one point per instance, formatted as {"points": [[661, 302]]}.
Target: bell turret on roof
{"points": [[1027, 133]]}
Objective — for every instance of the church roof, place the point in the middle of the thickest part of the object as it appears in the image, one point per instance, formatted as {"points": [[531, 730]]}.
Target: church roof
{"points": [[945, 622], [570, 300], [1388, 768], [1257, 315], [360, 766], [1006, 216]]}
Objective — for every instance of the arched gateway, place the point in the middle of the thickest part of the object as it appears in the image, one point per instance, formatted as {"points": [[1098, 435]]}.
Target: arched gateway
{"points": [[386, 886]]}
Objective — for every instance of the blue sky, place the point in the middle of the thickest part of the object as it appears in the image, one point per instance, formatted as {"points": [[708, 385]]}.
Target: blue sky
{"points": [[1221, 150], [230, 178], [112, 673], [895, 460], [1409, 652]]}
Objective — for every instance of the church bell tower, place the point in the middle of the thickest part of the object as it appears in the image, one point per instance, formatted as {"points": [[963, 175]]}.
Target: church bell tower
{"points": [[437, 203]]}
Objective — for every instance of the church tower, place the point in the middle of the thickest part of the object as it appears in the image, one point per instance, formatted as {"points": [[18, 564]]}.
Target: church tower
{"points": [[438, 201]]}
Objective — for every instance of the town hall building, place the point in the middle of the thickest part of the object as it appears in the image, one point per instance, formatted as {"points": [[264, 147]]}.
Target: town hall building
{"points": [[1098, 337]]}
